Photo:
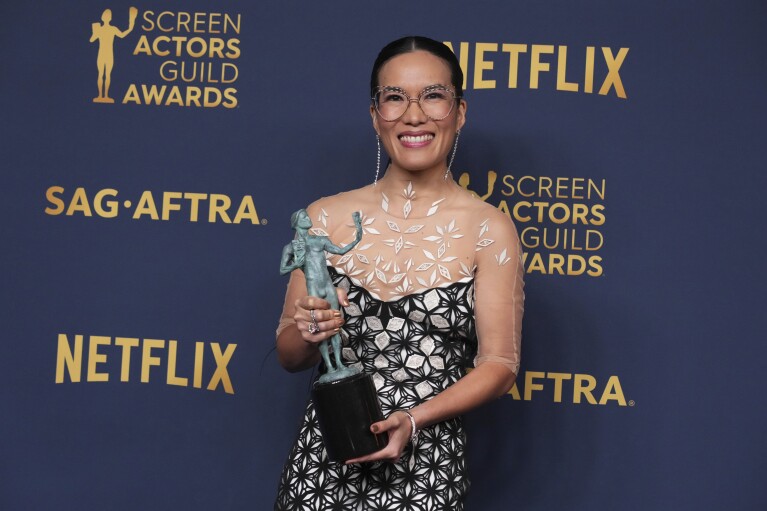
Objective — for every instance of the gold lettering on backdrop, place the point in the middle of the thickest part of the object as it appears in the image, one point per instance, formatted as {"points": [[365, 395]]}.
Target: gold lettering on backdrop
{"points": [[559, 219], [191, 96], [613, 79], [154, 353], [69, 358], [127, 344], [571, 388], [562, 83], [574, 388], [480, 65], [513, 50], [210, 22], [166, 206], [536, 65], [541, 60], [95, 358], [184, 38]]}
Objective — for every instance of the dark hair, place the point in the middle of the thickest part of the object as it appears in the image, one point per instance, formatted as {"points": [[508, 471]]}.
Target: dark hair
{"points": [[415, 43]]}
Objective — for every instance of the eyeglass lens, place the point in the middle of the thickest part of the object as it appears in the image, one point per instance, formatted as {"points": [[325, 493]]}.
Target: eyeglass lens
{"points": [[436, 102]]}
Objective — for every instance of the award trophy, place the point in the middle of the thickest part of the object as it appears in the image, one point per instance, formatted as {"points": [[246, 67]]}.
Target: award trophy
{"points": [[344, 398]]}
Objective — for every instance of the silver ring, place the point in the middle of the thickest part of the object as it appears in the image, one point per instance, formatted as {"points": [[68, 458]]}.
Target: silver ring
{"points": [[314, 328]]}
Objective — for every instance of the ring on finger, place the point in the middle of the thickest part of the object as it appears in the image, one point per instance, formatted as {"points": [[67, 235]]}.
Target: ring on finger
{"points": [[314, 328]]}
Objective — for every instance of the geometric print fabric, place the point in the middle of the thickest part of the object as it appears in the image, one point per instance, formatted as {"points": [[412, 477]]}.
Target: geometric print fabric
{"points": [[414, 348]]}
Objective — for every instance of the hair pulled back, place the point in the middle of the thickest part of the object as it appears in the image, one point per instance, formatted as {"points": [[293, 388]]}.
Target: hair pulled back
{"points": [[413, 43]]}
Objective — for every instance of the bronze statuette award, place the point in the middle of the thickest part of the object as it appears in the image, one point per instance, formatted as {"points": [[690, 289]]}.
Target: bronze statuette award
{"points": [[344, 398]]}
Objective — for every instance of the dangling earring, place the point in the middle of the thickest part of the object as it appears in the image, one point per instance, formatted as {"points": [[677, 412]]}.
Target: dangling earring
{"points": [[378, 159], [452, 156]]}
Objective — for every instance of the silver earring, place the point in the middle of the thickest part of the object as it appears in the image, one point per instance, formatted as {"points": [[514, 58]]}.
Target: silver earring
{"points": [[452, 156], [378, 159]]}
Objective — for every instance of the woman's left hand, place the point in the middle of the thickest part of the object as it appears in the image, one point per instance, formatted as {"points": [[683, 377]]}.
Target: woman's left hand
{"points": [[397, 425]]}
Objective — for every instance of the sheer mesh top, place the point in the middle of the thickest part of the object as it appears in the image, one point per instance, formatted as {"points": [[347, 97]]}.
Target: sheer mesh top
{"points": [[413, 243]]}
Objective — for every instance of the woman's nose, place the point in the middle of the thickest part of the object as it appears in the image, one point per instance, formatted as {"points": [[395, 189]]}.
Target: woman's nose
{"points": [[414, 114]]}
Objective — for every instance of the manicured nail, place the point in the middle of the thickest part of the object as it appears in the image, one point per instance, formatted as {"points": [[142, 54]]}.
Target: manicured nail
{"points": [[374, 428]]}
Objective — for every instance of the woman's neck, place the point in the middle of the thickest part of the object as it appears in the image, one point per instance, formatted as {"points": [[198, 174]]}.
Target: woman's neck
{"points": [[429, 182], [414, 194]]}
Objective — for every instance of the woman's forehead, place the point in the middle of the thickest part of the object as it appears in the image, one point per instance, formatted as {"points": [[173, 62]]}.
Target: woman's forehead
{"points": [[413, 71]]}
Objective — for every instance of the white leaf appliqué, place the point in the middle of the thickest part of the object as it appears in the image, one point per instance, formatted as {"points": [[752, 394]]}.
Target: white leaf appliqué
{"points": [[502, 258]]}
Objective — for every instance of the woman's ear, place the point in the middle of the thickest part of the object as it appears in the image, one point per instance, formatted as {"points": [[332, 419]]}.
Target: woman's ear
{"points": [[374, 118], [461, 120]]}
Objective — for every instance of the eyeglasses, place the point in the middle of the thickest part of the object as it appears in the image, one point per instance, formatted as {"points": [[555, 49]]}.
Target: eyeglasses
{"points": [[436, 101]]}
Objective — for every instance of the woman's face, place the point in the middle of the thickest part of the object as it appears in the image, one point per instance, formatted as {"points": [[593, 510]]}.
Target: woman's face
{"points": [[414, 142]]}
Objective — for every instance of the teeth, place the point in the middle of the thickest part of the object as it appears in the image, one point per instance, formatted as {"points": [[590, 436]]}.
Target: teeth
{"points": [[416, 140]]}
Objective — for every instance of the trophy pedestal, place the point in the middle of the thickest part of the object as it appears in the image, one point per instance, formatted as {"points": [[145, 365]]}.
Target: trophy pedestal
{"points": [[345, 410]]}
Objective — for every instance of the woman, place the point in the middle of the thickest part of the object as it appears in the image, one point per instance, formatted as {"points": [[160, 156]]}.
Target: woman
{"points": [[436, 279]]}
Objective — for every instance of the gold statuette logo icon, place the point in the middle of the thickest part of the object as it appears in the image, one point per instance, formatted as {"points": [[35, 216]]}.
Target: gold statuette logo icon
{"points": [[105, 34]]}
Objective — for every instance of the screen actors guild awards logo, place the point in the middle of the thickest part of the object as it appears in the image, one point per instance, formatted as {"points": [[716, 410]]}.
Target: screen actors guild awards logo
{"points": [[559, 219], [105, 34]]}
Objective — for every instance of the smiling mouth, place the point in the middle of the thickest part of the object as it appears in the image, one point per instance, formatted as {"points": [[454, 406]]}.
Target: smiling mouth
{"points": [[416, 139]]}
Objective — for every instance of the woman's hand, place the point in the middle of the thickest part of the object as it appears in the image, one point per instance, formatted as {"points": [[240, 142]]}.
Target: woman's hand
{"points": [[398, 426], [328, 321]]}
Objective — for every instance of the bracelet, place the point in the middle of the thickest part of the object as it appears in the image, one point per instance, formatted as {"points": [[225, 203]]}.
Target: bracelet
{"points": [[413, 430]]}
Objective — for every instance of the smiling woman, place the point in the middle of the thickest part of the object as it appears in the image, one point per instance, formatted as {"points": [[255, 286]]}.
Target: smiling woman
{"points": [[434, 286]]}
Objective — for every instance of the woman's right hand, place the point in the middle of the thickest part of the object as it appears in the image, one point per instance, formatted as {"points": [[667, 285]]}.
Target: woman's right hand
{"points": [[329, 321]]}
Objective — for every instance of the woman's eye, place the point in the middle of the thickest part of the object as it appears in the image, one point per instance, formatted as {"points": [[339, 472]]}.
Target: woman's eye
{"points": [[392, 97], [436, 96]]}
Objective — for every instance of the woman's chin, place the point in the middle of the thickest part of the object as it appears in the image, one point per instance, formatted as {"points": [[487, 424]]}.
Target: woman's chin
{"points": [[418, 166]]}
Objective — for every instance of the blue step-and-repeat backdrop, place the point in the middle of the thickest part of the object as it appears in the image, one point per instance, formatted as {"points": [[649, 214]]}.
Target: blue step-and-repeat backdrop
{"points": [[143, 221]]}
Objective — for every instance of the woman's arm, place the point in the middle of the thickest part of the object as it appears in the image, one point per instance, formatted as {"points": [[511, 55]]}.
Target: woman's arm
{"points": [[488, 381]]}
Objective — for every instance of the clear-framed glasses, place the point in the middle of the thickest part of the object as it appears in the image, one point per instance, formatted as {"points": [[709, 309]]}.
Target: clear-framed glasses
{"points": [[436, 101]]}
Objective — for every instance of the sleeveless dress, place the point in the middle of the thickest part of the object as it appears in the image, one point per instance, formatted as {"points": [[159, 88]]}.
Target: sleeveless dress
{"points": [[410, 324]]}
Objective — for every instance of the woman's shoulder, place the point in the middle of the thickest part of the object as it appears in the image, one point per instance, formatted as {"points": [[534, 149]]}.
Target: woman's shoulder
{"points": [[481, 213], [333, 210], [497, 240], [347, 201]]}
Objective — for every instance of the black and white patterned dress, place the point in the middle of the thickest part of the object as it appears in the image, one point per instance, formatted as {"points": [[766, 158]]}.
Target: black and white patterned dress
{"points": [[415, 343]]}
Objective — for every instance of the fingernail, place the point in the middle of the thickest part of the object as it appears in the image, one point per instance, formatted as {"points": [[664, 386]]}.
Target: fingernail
{"points": [[336, 314], [374, 429], [336, 330]]}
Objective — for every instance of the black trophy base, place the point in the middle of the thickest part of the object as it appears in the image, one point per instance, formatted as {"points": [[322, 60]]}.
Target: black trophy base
{"points": [[345, 410]]}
